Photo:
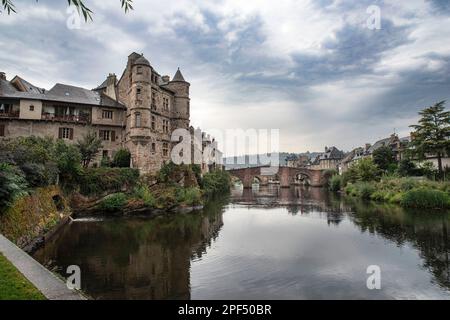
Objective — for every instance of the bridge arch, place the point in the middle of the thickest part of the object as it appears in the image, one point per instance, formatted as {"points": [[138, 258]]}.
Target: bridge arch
{"points": [[286, 176]]}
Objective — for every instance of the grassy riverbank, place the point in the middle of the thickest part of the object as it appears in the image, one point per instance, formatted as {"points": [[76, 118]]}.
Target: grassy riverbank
{"points": [[407, 192], [364, 180], [14, 286]]}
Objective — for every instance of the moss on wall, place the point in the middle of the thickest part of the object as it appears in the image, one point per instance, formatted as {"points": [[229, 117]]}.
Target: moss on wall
{"points": [[33, 215]]}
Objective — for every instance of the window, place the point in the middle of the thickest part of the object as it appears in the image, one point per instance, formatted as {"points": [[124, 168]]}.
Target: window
{"points": [[107, 135], [153, 147], [2, 130], [166, 104], [165, 149], [153, 123], [165, 126], [139, 70], [137, 119], [66, 133], [105, 154], [153, 106], [31, 108], [104, 134], [107, 114]]}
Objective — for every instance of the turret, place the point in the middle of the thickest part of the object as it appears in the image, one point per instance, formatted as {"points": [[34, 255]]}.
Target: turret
{"points": [[140, 91], [181, 107]]}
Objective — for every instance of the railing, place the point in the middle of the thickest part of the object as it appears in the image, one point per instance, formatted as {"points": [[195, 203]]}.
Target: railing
{"points": [[66, 118], [9, 114]]}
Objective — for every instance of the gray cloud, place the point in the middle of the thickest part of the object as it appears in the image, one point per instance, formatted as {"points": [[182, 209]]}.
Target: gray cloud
{"points": [[245, 70]]}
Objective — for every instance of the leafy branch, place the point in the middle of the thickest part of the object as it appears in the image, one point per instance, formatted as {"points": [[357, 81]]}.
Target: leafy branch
{"points": [[83, 10]]}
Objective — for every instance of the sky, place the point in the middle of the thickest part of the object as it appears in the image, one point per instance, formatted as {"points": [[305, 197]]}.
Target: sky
{"points": [[312, 69]]}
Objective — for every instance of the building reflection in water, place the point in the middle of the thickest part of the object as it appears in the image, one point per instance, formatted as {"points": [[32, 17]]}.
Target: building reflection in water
{"points": [[135, 258], [142, 258]]}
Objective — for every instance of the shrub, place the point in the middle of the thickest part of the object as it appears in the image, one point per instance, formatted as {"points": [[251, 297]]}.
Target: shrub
{"points": [[12, 185], [68, 159], [426, 198], [122, 159], [216, 182], [143, 193], [114, 202], [365, 190], [189, 196], [335, 183], [96, 181], [407, 168]]}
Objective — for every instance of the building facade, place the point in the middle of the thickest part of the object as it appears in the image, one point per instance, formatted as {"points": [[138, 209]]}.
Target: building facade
{"points": [[329, 159], [138, 112]]}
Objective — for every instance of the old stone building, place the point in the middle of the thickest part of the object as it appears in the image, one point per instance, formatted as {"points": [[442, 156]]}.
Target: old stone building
{"points": [[139, 111]]}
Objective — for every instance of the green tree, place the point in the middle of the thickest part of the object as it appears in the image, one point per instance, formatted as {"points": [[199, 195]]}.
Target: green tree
{"points": [[122, 159], [8, 6], [364, 170], [89, 146], [12, 185], [68, 159], [407, 168], [383, 157], [432, 134]]}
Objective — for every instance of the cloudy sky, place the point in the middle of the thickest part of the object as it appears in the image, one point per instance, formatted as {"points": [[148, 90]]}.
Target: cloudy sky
{"points": [[312, 69]]}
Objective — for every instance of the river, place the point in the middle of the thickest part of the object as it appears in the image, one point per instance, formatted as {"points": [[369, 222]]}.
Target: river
{"points": [[265, 243]]}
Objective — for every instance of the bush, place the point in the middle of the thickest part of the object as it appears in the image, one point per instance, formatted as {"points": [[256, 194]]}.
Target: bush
{"points": [[122, 159], [189, 196], [426, 198], [12, 185], [216, 182], [95, 181], [143, 193], [365, 190], [407, 168], [335, 183], [114, 202]]}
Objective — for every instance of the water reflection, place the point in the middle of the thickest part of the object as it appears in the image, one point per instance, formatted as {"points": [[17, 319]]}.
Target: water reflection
{"points": [[268, 243], [135, 258]]}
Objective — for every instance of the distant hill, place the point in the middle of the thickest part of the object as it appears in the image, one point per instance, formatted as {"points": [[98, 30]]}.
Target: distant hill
{"points": [[243, 161]]}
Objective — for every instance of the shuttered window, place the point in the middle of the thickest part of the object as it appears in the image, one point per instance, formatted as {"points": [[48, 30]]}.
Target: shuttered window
{"points": [[107, 135]]}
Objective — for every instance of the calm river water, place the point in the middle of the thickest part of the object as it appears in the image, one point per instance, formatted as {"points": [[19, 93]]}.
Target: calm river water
{"points": [[265, 243]]}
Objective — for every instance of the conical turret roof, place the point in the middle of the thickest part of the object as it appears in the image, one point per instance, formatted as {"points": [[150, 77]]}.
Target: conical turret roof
{"points": [[178, 76]]}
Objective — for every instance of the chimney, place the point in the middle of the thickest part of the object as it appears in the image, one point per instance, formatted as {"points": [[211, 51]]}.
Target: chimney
{"points": [[111, 86], [2, 76], [367, 146], [165, 79]]}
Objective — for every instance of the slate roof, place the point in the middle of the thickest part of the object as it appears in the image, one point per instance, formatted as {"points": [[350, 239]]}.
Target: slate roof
{"points": [[332, 153], [178, 76], [142, 60], [60, 93], [28, 86]]}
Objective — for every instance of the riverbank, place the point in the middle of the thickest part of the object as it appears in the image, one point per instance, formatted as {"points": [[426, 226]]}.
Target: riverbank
{"points": [[418, 193]]}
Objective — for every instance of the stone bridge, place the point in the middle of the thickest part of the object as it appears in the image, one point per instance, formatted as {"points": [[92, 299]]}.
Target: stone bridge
{"points": [[286, 176]]}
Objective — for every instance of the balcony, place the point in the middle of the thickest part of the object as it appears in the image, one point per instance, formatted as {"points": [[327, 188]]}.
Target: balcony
{"points": [[9, 114], [82, 118]]}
